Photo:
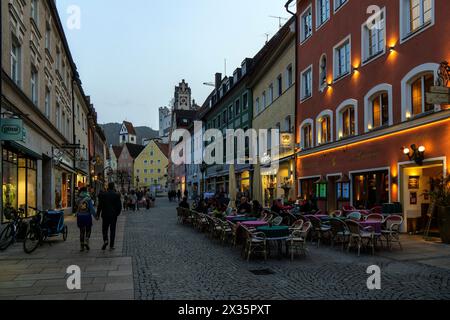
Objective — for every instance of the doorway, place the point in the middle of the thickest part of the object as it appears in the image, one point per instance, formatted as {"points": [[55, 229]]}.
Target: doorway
{"points": [[416, 184]]}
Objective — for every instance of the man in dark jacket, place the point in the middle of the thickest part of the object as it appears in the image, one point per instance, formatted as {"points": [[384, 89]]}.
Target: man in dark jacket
{"points": [[109, 208]]}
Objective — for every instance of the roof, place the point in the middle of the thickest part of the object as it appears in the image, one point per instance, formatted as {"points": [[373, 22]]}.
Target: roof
{"points": [[164, 147], [134, 149], [130, 127], [117, 150]]}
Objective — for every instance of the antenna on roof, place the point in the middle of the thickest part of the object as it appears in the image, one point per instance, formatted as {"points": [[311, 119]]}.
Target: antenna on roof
{"points": [[279, 19], [267, 36]]}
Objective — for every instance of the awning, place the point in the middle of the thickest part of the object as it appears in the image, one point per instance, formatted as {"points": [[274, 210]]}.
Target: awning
{"points": [[22, 149]]}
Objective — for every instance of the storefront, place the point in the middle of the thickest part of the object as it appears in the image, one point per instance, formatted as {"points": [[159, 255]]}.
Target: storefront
{"points": [[19, 181], [379, 171], [244, 183]]}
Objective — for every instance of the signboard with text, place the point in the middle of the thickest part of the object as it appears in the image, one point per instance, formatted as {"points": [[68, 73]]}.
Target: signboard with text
{"points": [[11, 130]]}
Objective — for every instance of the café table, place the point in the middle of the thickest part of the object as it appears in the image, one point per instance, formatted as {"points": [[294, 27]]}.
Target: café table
{"points": [[276, 233], [376, 225], [231, 218], [253, 223], [243, 219]]}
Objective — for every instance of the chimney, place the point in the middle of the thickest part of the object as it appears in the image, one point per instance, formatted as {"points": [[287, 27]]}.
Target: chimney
{"points": [[218, 80]]}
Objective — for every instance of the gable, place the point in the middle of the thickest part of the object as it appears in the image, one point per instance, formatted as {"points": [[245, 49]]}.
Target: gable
{"points": [[123, 130]]}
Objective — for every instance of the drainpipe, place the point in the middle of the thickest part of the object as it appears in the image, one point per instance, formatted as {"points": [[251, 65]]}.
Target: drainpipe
{"points": [[296, 84], [74, 138]]}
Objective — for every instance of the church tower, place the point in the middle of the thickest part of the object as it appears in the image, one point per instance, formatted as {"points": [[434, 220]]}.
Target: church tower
{"points": [[183, 99]]}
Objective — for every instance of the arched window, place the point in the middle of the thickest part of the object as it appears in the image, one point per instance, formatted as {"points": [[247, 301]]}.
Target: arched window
{"points": [[324, 127], [348, 122], [414, 87], [378, 107], [323, 72], [380, 110], [347, 115], [419, 87], [306, 134], [324, 130]]}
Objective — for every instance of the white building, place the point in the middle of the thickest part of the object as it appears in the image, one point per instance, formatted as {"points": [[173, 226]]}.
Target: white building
{"points": [[127, 133]]}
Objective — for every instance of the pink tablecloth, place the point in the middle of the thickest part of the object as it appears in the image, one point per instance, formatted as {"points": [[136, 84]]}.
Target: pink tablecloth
{"points": [[254, 224], [374, 224]]}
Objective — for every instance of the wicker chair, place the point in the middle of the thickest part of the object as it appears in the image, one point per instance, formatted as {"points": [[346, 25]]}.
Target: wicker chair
{"points": [[277, 221], [375, 217], [358, 235], [297, 225], [339, 232], [255, 242], [296, 243], [356, 216], [391, 231], [337, 214], [227, 231], [319, 229]]}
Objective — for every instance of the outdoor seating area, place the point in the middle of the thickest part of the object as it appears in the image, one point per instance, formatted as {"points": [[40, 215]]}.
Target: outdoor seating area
{"points": [[288, 233]]}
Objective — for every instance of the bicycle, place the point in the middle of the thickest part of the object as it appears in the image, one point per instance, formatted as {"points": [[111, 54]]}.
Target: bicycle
{"points": [[9, 234], [44, 225]]}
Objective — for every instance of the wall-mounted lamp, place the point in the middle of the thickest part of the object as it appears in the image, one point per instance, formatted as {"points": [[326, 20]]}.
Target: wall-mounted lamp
{"points": [[329, 85], [408, 115], [355, 69], [415, 154], [391, 48]]}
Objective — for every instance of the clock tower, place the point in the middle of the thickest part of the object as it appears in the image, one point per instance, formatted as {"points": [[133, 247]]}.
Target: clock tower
{"points": [[183, 99]]}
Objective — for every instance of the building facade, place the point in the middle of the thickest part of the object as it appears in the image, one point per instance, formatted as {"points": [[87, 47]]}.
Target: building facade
{"points": [[150, 167], [40, 90], [125, 166], [273, 87], [362, 102], [127, 133], [230, 106]]}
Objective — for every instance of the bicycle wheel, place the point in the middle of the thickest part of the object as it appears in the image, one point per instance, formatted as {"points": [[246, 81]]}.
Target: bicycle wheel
{"points": [[6, 237], [32, 240]]}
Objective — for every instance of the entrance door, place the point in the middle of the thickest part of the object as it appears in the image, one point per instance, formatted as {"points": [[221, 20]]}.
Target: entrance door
{"points": [[416, 183]]}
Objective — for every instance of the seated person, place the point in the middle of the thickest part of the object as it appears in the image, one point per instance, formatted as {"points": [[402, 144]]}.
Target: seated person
{"points": [[276, 207], [257, 209], [244, 207], [184, 203]]}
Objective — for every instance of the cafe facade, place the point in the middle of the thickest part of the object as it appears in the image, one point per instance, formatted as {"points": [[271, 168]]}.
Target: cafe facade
{"points": [[368, 130]]}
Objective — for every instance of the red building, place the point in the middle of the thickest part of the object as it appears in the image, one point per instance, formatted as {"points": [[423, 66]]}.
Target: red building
{"points": [[364, 68]]}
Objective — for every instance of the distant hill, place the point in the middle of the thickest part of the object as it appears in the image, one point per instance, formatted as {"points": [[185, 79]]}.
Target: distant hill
{"points": [[112, 133]]}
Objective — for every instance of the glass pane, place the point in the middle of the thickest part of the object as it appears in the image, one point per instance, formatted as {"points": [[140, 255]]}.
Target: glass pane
{"points": [[384, 109], [9, 185], [428, 83], [22, 189], [376, 114], [416, 96]]}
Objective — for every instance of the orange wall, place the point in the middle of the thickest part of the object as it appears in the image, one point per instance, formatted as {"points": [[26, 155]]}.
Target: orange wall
{"points": [[432, 45], [381, 152]]}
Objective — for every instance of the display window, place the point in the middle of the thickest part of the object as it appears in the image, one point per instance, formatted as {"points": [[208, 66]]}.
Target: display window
{"points": [[19, 183]]}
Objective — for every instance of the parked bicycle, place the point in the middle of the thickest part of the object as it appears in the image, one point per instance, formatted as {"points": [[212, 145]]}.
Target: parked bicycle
{"points": [[46, 224], [10, 233]]}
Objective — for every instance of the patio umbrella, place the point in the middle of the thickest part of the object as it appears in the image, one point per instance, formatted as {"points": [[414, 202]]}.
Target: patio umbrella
{"points": [[232, 187], [257, 184]]}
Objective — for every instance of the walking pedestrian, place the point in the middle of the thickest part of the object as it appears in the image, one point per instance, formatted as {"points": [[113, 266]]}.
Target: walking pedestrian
{"points": [[85, 212], [109, 209], [179, 195]]}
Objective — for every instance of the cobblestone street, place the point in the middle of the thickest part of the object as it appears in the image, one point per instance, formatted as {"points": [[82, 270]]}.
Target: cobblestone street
{"points": [[171, 261], [156, 258]]}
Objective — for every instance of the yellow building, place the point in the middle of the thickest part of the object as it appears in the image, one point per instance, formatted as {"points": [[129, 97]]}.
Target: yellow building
{"points": [[274, 108], [150, 167]]}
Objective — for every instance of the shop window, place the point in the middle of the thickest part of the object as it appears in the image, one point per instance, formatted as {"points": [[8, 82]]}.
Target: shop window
{"points": [[370, 189], [19, 184], [307, 188]]}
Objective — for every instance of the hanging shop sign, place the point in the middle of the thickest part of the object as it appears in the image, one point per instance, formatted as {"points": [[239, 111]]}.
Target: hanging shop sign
{"points": [[12, 130]]}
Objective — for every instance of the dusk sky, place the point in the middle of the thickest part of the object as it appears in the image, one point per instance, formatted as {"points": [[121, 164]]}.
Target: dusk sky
{"points": [[130, 55]]}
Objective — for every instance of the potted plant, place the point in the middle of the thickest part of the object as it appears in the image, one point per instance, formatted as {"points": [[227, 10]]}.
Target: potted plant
{"points": [[441, 198]]}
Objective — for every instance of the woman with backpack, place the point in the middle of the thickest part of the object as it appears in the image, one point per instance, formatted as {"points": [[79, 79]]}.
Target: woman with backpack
{"points": [[85, 212]]}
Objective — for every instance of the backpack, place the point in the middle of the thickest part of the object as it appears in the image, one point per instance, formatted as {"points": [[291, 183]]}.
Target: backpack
{"points": [[83, 206]]}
